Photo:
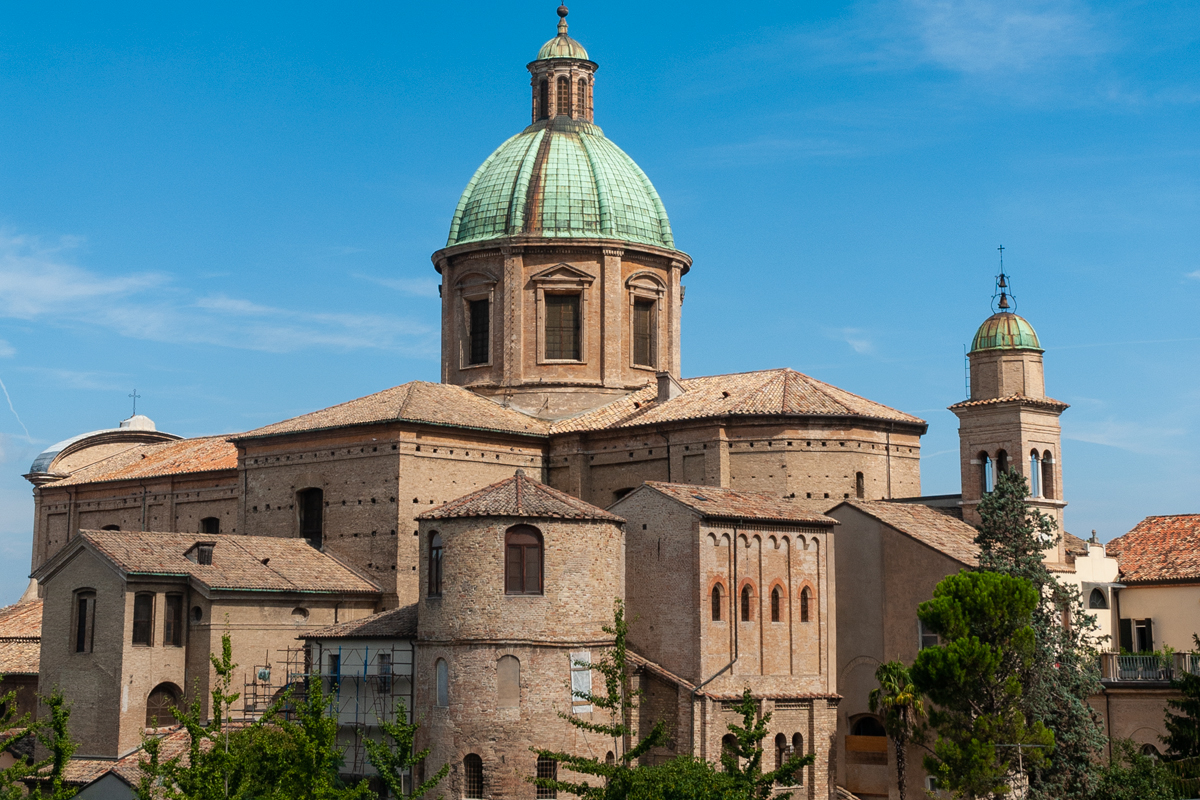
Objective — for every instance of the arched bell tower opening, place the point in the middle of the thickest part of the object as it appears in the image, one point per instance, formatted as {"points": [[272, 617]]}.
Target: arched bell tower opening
{"points": [[560, 279], [1008, 414]]}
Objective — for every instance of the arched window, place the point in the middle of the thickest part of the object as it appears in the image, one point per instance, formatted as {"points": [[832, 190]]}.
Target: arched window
{"points": [[776, 602], [442, 676], [1048, 488], [747, 599], [210, 525], [508, 682], [867, 726], [781, 752], [547, 769], [563, 96], [523, 560], [582, 98], [860, 486], [310, 503], [111, 528], [435, 565], [1035, 469], [1097, 599], [985, 473], [609, 758], [85, 620], [162, 699], [543, 100], [798, 750], [729, 744], [1150, 751], [473, 777], [143, 618], [718, 601], [805, 603], [1001, 463]]}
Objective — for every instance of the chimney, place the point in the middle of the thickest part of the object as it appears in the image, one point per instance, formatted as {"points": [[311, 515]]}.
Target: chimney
{"points": [[668, 387]]}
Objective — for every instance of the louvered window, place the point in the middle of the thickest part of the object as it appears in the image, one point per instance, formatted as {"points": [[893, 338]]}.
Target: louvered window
{"points": [[643, 333], [562, 327], [480, 331], [564, 97]]}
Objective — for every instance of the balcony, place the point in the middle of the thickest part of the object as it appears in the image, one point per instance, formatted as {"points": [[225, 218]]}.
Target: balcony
{"points": [[1144, 667]]}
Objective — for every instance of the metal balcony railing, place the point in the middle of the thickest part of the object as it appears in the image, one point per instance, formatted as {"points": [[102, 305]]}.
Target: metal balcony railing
{"points": [[1147, 666]]}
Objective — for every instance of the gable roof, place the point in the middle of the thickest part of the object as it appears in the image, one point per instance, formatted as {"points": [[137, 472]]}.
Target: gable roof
{"points": [[258, 563], [519, 496], [204, 454], [399, 623], [1159, 549], [772, 392], [415, 401], [713, 502], [944, 533]]}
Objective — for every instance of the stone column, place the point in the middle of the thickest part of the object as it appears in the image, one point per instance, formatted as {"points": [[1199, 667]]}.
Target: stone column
{"points": [[612, 333]]}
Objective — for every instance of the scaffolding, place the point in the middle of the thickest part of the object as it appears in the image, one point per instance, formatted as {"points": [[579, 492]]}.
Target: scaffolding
{"points": [[369, 680]]}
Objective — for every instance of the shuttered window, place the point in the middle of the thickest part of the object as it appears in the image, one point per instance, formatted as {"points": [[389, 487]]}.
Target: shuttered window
{"points": [[480, 332], [643, 333], [143, 619], [562, 327], [173, 621], [523, 561]]}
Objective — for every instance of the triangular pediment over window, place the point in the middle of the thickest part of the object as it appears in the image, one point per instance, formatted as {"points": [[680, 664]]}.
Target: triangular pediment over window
{"points": [[563, 273]]}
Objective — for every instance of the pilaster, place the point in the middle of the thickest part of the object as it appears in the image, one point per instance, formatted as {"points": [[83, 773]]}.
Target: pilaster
{"points": [[612, 355], [512, 316]]}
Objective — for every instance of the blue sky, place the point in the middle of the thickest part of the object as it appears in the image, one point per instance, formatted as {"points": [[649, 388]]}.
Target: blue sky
{"points": [[232, 207]]}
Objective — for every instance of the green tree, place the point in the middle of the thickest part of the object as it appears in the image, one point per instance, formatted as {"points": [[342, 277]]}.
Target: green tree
{"points": [[1129, 775], [681, 778], [617, 702], [742, 760], [902, 710], [55, 735], [15, 737], [394, 756], [1065, 669], [1183, 729], [974, 679]]}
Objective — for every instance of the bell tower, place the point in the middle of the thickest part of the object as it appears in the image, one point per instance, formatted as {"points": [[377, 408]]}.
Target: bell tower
{"points": [[1008, 422]]}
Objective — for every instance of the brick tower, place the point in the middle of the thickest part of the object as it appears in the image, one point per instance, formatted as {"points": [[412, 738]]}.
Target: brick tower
{"points": [[1008, 422]]}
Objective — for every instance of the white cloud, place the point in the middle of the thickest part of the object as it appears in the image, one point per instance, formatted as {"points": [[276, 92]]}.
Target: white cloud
{"points": [[1194, 275], [7, 350], [858, 339], [1131, 436], [78, 379], [978, 36], [417, 287], [37, 282]]}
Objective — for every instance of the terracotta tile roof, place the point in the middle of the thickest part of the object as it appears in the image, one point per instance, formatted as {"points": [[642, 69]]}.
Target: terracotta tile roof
{"points": [[1159, 549], [399, 623], [1074, 545], [207, 454], [775, 392], [770, 695], [85, 771], [1040, 402], [263, 563], [717, 503], [20, 638], [416, 401], [519, 496], [930, 526], [662, 672]]}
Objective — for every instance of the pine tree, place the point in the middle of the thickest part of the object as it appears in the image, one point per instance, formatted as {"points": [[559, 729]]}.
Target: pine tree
{"points": [[1183, 729], [617, 703], [742, 761], [1065, 672], [902, 710]]}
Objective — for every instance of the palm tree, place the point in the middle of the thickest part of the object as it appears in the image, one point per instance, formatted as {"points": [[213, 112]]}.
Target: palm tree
{"points": [[902, 709]]}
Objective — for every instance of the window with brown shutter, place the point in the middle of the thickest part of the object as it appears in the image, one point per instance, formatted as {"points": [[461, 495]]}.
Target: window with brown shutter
{"points": [[564, 97], [562, 327], [523, 560], [173, 621], [143, 619], [480, 331], [643, 333]]}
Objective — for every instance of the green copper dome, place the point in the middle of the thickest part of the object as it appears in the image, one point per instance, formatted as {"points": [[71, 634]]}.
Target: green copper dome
{"points": [[560, 179], [1005, 331], [562, 46]]}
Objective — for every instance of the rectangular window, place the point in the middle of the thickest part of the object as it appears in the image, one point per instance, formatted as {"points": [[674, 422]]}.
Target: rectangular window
{"points": [[643, 333], [480, 331], [384, 662], [927, 638], [562, 327], [143, 619], [581, 681], [173, 622], [210, 526], [1143, 634], [85, 617]]}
